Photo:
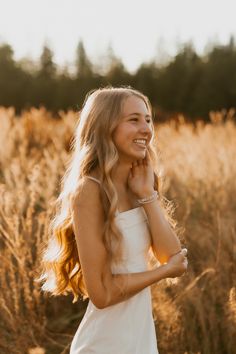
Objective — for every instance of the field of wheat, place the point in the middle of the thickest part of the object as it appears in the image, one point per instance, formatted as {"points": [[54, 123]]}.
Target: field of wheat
{"points": [[194, 315]]}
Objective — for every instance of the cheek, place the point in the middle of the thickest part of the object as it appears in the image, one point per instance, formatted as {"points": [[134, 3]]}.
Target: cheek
{"points": [[123, 134], [120, 134]]}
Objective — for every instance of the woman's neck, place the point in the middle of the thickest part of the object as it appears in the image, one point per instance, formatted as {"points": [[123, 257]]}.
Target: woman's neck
{"points": [[120, 179], [120, 175]]}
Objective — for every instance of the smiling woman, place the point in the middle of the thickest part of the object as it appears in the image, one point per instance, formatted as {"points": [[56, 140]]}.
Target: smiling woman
{"points": [[134, 131], [109, 219]]}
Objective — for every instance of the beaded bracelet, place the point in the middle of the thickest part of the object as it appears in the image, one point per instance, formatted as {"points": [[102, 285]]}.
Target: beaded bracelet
{"points": [[150, 199]]}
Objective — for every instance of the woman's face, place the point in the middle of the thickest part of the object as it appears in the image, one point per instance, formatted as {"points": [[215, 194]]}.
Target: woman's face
{"points": [[133, 133]]}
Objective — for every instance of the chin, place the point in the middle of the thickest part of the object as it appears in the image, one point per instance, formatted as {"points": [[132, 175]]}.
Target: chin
{"points": [[133, 156], [139, 156]]}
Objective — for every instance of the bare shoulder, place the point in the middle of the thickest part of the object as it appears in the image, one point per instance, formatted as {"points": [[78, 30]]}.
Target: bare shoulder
{"points": [[87, 199]]}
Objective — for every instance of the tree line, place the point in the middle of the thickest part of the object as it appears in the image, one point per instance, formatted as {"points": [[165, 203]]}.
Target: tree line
{"points": [[189, 83]]}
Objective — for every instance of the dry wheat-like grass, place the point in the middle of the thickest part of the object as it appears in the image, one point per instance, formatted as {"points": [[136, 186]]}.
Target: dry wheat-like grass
{"points": [[200, 173], [195, 314]]}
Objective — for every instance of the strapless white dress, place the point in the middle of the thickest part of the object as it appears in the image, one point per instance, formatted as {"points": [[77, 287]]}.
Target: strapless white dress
{"points": [[126, 327]]}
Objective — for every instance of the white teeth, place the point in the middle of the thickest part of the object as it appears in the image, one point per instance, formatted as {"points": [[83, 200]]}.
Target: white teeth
{"points": [[140, 141]]}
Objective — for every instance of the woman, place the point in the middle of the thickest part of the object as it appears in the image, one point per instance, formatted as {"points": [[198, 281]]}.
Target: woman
{"points": [[110, 217]]}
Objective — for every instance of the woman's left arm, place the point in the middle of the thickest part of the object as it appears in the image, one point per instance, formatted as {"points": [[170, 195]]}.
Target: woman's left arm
{"points": [[165, 242]]}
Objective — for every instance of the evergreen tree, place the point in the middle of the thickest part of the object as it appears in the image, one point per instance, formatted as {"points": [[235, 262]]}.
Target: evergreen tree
{"points": [[217, 87], [47, 66], [116, 73], [45, 81], [14, 81], [83, 64]]}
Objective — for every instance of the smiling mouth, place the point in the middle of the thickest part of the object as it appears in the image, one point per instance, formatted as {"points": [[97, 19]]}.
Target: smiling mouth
{"points": [[141, 142]]}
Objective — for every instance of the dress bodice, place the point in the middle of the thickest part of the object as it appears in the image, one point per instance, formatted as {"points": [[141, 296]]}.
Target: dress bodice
{"points": [[136, 240]]}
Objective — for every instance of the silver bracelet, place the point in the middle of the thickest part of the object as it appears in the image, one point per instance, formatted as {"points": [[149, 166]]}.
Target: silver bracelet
{"points": [[150, 199]]}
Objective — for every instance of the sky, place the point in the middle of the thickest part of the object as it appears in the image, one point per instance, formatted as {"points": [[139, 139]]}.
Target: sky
{"points": [[137, 30]]}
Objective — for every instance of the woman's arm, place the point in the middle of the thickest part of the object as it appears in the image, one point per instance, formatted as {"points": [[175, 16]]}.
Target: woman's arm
{"points": [[104, 287], [165, 243]]}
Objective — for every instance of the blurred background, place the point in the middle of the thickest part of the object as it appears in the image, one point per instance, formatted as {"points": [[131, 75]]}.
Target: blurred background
{"points": [[182, 55]]}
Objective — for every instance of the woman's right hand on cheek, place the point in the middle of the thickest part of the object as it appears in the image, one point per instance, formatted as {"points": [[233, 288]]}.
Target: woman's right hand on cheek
{"points": [[177, 264]]}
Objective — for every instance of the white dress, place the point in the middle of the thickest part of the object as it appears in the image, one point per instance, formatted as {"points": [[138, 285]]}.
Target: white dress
{"points": [[126, 327]]}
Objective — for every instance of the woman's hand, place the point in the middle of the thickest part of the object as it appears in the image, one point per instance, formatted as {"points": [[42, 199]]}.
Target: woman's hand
{"points": [[141, 177], [177, 264]]}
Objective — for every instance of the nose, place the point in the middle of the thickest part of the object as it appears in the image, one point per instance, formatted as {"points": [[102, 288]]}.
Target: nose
{"points": [[145, 127]]}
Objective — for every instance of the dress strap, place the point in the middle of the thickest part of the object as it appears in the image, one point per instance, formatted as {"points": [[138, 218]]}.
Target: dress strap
{"points": [[97, 180], [94, 179]]}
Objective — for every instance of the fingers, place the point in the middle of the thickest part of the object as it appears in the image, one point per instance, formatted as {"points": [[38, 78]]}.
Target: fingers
{"points": [[185, 263], [143, 162], [137, 163], [131, 173], [184, 252], [140, 162], [147, 159]]}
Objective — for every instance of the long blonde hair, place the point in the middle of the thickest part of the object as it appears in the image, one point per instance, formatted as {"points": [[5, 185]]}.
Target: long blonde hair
{"points": [[92, 147]]}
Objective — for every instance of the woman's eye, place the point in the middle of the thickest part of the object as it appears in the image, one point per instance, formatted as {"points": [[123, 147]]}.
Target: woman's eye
{"points": [[136, 120]]}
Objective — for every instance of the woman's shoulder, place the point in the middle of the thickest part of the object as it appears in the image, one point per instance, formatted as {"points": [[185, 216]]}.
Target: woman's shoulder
{"points": [[86, 206], [95, 179], [87, 192], [94, 176]]}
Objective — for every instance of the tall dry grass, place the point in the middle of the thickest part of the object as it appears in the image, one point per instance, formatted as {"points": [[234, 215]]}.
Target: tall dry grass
{"points": [[196, 314]]}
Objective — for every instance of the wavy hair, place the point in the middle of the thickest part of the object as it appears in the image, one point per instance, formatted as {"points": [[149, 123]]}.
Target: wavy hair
{"points": [[92, 147]]}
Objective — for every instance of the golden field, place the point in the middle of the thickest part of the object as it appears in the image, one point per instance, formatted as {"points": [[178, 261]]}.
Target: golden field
{"points": [[194, 315]]}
